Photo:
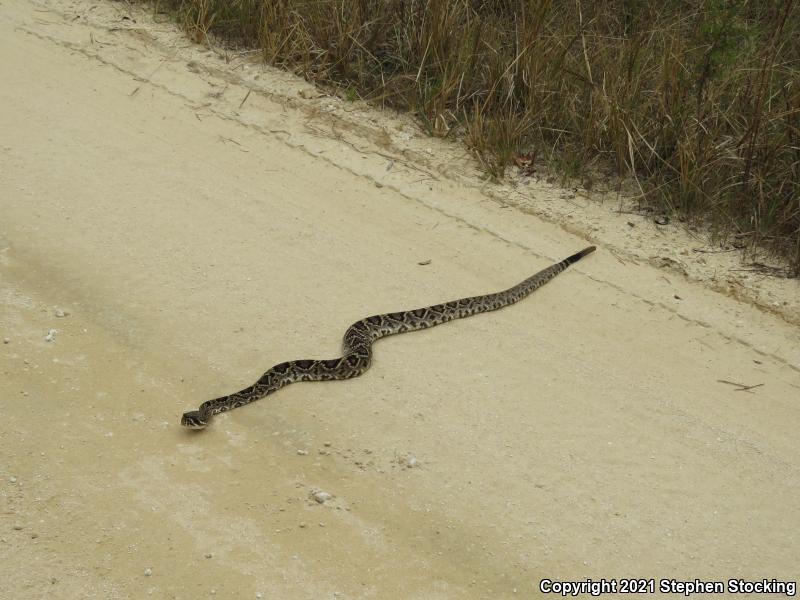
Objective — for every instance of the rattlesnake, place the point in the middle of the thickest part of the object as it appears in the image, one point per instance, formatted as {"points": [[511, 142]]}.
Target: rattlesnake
{"points": [[359, 337]]}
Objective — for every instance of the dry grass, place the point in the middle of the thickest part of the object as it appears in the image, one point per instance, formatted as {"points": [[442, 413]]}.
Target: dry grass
{"points": [[700, 101]]}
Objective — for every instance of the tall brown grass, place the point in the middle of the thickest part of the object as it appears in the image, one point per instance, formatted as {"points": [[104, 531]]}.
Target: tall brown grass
{"points": [[699, 100]]}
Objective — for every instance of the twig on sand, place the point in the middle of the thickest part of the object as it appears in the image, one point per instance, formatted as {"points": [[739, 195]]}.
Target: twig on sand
{"points": [[740, 387], [704, 251], [245, 98]]}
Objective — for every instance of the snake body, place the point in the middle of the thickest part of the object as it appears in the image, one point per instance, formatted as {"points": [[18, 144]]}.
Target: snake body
{"points": [[359, 337]]}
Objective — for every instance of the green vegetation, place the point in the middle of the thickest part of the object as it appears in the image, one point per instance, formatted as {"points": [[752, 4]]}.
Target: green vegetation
{"points": [[698, 100]]}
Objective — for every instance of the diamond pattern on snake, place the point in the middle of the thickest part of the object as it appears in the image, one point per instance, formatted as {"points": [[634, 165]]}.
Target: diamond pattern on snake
{"points": [[358, 339]]}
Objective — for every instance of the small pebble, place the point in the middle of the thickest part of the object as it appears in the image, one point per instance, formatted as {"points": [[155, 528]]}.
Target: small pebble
{"points": [[321, 496], [302, 524], [17, 527], [148, 571], [61, 312], [209, 555], [302, 452], [12, 479], [34, 536], [51, 335], [6, 340]]}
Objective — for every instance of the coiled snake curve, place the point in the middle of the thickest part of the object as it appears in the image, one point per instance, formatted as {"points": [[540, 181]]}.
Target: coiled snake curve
{"points": [[359, 337]]}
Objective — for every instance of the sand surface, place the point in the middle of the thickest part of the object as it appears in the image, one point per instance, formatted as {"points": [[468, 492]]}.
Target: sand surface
{"points": [[175, 222]]}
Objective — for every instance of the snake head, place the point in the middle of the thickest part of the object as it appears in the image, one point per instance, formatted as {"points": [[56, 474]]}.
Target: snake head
{"points": [[194, 420]]}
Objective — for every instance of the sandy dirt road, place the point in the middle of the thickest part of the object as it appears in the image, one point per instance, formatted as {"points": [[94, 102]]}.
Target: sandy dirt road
{"points": [[179, 234]]}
